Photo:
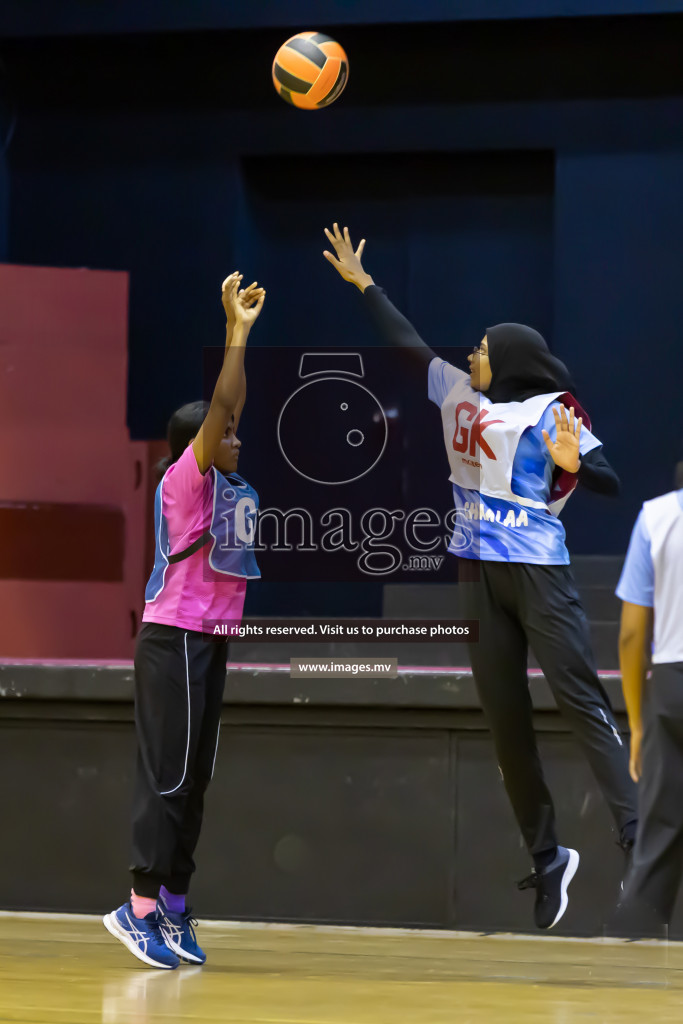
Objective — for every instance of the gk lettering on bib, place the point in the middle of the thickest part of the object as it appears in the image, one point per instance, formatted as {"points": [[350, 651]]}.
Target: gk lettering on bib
{"points": [[482, 439]]}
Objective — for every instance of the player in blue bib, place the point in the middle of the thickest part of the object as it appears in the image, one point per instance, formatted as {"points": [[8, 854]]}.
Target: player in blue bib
{"points": [[518, 444]]}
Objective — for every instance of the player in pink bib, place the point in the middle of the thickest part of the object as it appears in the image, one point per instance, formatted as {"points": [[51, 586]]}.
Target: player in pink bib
{"points": [[204, 519]]}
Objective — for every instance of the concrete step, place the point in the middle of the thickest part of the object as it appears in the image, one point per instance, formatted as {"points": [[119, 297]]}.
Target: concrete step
{"points": [[597, 570], [421, 654], [604, 642], [440, 601], [603, 637]]}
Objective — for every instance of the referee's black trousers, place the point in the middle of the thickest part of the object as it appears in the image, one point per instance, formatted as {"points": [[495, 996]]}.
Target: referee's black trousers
{"points": [[652, 886], [518, 606], [179, 684]]}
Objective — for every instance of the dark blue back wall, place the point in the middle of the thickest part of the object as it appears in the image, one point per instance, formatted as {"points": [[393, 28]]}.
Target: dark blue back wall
{"points": [[529, 172], [6, 131], [619, 317], [4, 208], [44, 17]]}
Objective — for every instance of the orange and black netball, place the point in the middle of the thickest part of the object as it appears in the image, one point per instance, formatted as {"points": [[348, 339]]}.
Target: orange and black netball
{"points": [[310, 70]]}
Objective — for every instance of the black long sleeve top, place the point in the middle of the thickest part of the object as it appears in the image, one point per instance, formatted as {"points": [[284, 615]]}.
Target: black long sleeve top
{"points": [[595, 472]]}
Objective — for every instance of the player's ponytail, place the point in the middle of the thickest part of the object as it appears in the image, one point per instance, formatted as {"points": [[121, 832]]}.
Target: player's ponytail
{"points": [[161, 466]]}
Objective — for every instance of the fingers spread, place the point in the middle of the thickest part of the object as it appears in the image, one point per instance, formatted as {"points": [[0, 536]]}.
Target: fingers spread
{"points": [[563, 417], [359, 250]]}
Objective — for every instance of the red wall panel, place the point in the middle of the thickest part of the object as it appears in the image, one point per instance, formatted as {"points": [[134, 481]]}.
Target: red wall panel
{"points": [[64, 364]]}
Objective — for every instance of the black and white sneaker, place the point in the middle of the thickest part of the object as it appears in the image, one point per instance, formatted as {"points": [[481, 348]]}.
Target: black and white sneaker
{"points": [[551, 886]]}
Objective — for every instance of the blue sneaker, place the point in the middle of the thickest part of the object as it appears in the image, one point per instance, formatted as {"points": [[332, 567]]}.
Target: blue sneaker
{"points": [[551, 886], [179, 935], [142, 936]]}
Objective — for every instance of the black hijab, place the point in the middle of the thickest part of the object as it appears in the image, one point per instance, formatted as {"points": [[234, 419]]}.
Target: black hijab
{"points": [[522, 365]]}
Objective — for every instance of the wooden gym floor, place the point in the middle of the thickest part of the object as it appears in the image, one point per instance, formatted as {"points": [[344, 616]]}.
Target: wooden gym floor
{"points": [[69, 970]]}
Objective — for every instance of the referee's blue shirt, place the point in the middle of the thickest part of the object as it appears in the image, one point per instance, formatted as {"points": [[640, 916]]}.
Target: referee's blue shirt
{"points": [[637, 581]]}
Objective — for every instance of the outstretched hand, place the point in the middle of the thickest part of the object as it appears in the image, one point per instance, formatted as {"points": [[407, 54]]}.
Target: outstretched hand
{"points": [[347, 262], [565, 449], [250, 302], [242, 305], [227, 293]]}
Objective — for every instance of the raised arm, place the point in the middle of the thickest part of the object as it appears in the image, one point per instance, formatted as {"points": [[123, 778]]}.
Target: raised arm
{"points": [[230, 327], [242, 309], [391, 324]]}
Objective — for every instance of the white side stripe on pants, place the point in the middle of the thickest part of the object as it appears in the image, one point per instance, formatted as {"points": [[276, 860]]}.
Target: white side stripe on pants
{"points": [[218, 736], [612, 727], [167, 792]]}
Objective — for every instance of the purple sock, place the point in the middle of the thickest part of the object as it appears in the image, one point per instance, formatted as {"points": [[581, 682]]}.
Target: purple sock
{"points": [[176, 904]]}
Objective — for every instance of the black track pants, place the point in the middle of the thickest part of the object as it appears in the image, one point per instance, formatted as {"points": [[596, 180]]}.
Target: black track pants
{"points": [[179, 683], [520, 606], [652, 886]]}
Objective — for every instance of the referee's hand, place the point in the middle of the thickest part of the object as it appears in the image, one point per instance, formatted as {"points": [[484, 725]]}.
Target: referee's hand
{"points": [[635, 766]]}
